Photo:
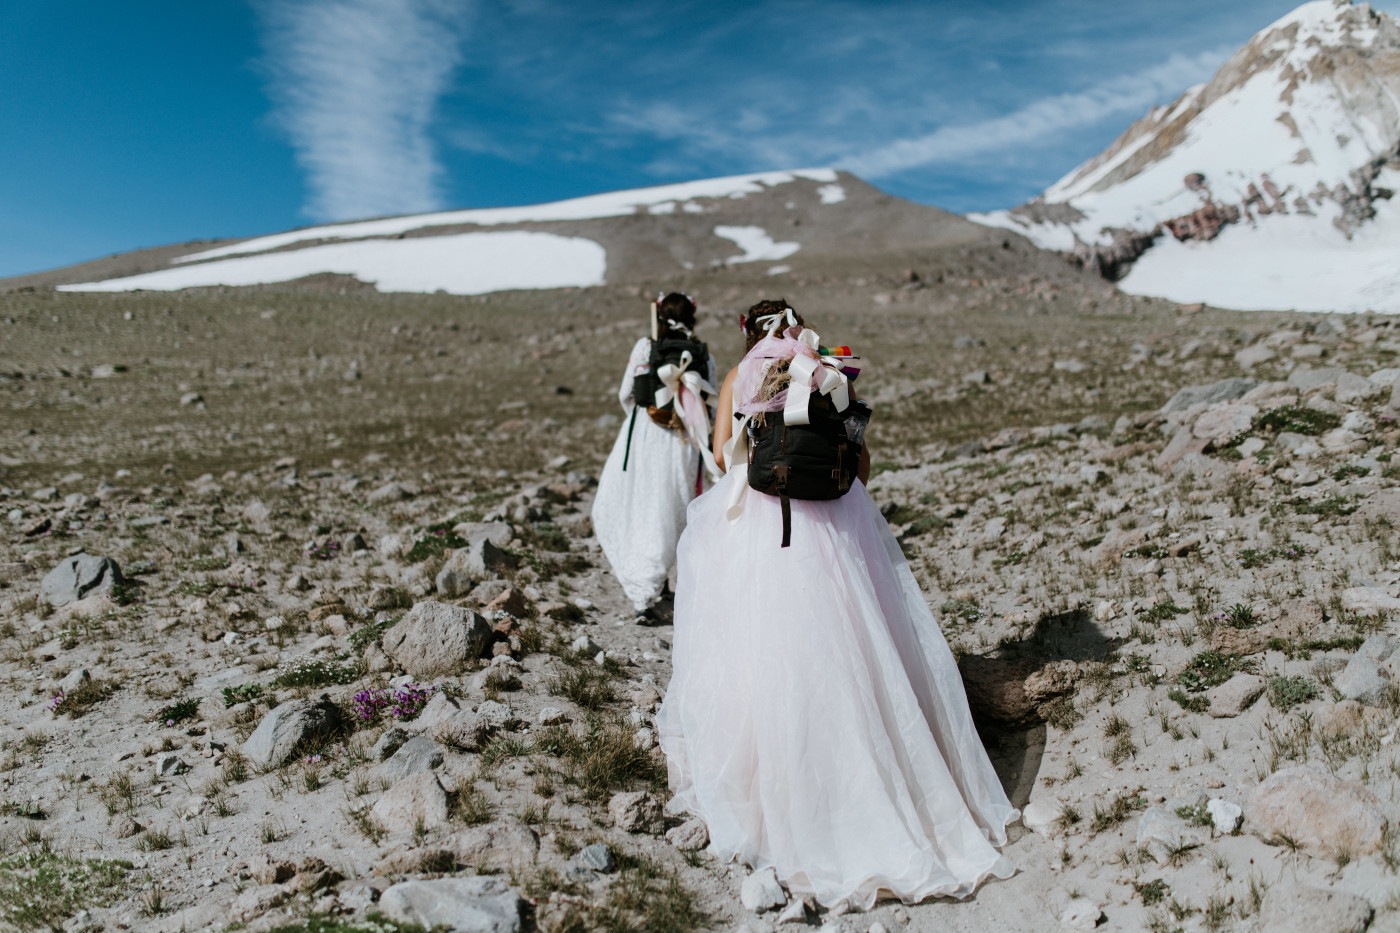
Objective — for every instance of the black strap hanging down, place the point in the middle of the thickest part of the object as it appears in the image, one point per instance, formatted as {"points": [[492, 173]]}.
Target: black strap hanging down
{"points": [[787, 520], [627, 451]]}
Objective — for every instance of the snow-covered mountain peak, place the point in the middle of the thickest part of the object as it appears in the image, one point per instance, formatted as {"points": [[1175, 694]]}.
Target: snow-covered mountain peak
{"points": [[1295, 140]]}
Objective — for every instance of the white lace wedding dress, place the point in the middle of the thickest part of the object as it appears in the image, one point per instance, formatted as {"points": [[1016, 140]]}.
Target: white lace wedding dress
{"points": [[815, 718], [638, 513]]}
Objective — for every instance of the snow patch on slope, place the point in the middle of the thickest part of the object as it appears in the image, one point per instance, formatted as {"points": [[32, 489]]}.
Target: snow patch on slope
{"points": [[757, 245], [460, 264], [611, 204]]}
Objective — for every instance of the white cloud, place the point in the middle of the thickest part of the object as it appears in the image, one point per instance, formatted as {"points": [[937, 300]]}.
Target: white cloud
{"points": [[356, 84], [1129, 94]]}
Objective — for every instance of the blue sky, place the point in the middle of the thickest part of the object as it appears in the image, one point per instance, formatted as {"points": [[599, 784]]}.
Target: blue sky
{"points": [[141, 123]]}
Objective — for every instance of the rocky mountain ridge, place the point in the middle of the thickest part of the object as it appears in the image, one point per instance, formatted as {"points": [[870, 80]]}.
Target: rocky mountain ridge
{"points": [[1292, 149]]}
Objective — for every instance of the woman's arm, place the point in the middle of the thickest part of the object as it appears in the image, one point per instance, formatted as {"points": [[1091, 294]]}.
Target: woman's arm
{"points": [[724, 418], [641, 352], [863, 471]]}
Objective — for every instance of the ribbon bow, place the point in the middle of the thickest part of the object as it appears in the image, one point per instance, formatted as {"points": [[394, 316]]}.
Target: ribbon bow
{"points": [[771, 322], [804, 370], [686, 387]]}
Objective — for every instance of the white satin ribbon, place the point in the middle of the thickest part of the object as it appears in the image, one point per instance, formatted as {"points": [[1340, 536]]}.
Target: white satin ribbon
{"points": [[771, 322], [675, 377], [830, 382]]}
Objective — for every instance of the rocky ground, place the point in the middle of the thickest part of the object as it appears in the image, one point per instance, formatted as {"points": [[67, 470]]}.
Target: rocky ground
{"points": [[303, 624]]}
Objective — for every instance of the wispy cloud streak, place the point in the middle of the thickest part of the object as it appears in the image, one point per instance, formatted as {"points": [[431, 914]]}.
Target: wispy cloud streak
{"points": [[356, 84], [1041, 119]]}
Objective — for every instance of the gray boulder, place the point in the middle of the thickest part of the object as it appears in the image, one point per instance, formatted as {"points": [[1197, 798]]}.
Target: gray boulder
{"points": [[436, 639], [480, 904], [637, 812], [597, 857], [390, 742], [285, 730], [1226, 390], [1297, 908], [78, 577], [419, 753], [479, 560]]}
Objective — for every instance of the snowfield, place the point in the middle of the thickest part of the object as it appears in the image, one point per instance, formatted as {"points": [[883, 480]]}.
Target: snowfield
{"points": [[1284, 134], [662, 199], [757, 245], [460, 264]]}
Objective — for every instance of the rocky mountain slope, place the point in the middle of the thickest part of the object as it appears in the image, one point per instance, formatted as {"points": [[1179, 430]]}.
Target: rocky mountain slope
{"points": [[1270, 186], [402, 684], [777, 222]]}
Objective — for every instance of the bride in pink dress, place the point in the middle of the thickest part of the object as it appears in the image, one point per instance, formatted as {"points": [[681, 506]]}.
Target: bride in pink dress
{"points": [[815, 718]]}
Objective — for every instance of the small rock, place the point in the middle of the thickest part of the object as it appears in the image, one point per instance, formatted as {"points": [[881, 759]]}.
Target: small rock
{"points": [[74, 679], [1235, 695], [1081, 914], [257, 901], [761, 891], [636, 812], [283, 731], [550, 716], [79, 577], [416, 800], [264, 869], [480, 904], [1161, 829], [690, 836], [169, 764], [1224, 815], [1042, 816], [419, 753], [391, 741], [480, 560], [796, 912], [597, 857], [501, 844]]}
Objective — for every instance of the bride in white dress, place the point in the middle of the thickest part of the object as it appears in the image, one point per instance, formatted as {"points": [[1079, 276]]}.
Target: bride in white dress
{"points": [[653, 472], [815, 718]]}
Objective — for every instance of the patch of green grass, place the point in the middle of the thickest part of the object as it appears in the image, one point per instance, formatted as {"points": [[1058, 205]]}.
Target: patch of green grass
{"points": [[1348, 470], [1304, 649], [83, 698], [1286, 692], [1161, 612], [125, 594], [644, 897], [371, 634], [1151, 892], [1118, 811], [1210, 669], [1327, 507], [178, 712], [1295, 419], [435, 539], [965, 610], [603, 759], [1239, 616], [1196, 815], [1194, 704], [883, 466], [314, 672], [590, 687], [242, 693], [209, 563], [40, 889]]}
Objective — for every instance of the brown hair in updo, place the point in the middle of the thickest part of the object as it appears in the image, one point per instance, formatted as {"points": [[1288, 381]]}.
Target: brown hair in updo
{"points": [[753, 333], [675, 315]]}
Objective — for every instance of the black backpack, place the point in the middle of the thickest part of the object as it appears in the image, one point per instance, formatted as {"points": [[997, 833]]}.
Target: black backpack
{"points": [[667, 350], [816, 461]]}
